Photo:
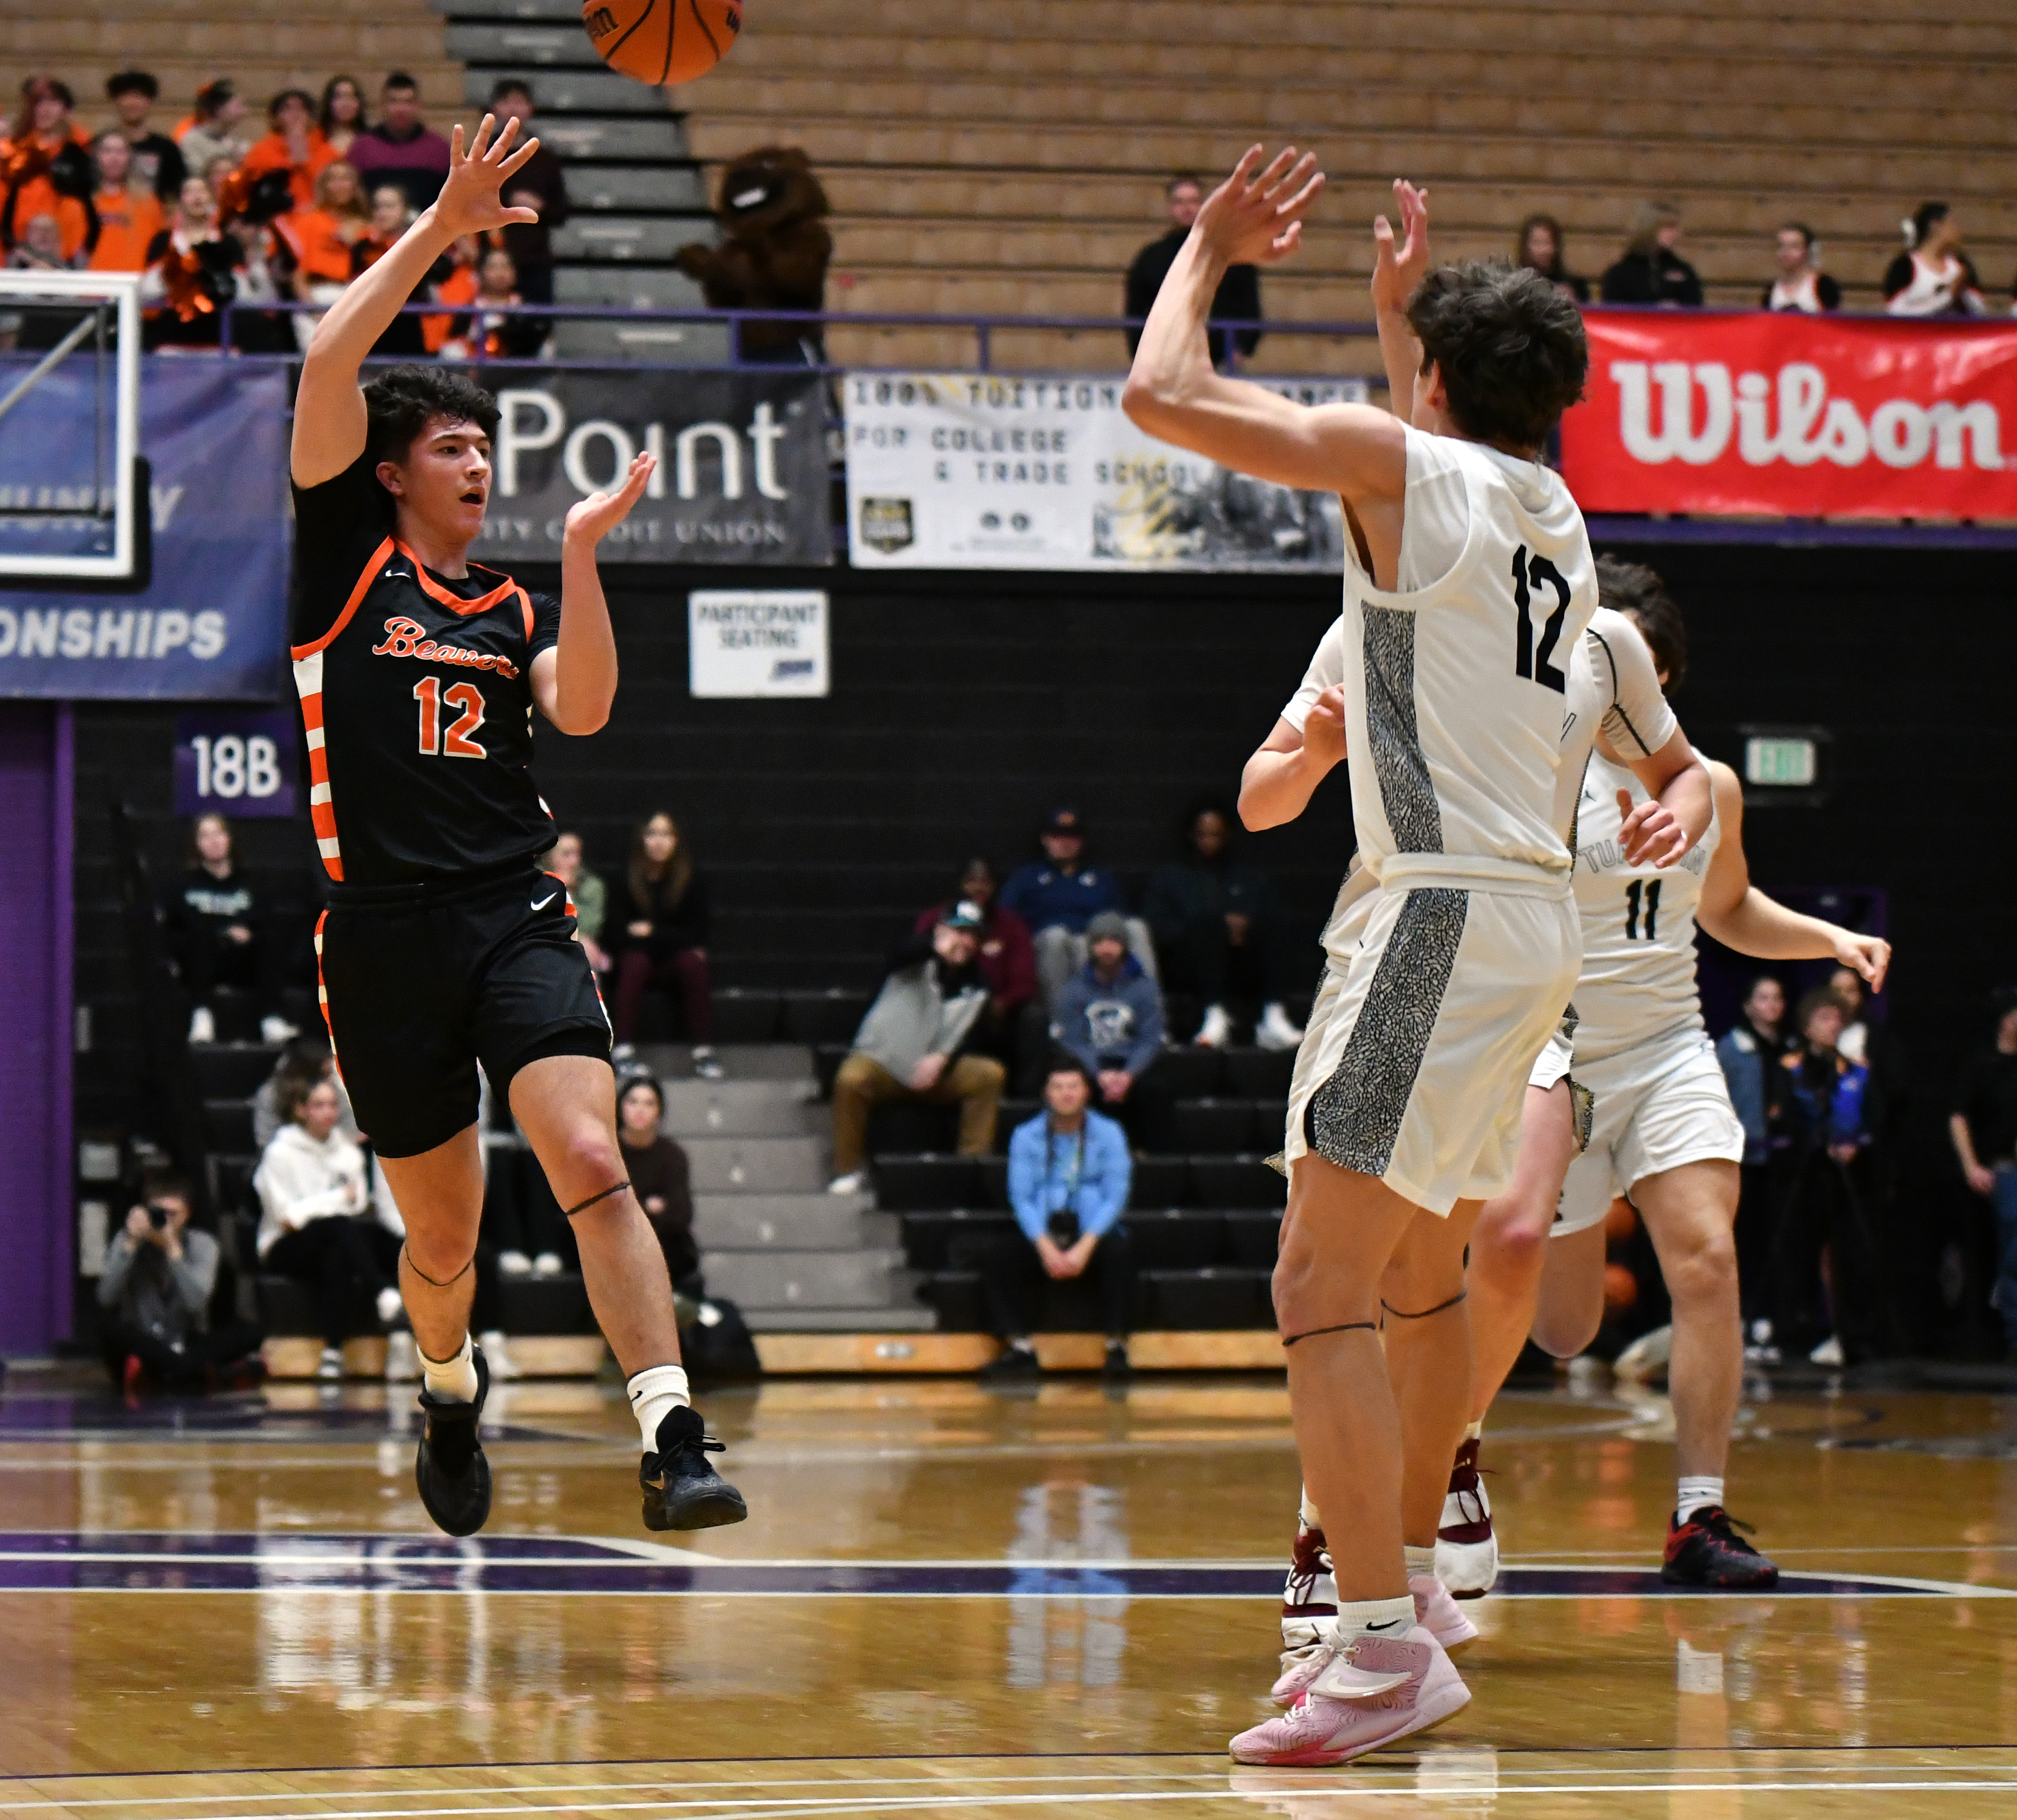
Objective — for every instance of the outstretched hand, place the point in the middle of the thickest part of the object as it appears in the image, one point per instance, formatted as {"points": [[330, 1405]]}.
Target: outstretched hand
{"points": [[600, 513], [1398, 268], [471, 200], [1250, 220], [1652, 833]]}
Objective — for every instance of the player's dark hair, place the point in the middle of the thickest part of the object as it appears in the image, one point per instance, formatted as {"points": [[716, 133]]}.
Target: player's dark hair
{"points": [[1510, 346], [1633, 589], [400, 403]]}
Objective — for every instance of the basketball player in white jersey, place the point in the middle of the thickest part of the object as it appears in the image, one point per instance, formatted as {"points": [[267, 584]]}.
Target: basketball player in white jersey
{"points": [[1665, 1132], [1614, 705], [1469, 582]]}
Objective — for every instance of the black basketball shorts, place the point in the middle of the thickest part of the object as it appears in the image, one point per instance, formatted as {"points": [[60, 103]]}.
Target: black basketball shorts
{"points": [[417, 991]]}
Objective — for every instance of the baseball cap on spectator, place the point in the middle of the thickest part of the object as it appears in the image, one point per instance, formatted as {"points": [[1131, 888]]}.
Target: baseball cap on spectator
{"points": [[1063, 822], [1108, 925], [962, 916]]}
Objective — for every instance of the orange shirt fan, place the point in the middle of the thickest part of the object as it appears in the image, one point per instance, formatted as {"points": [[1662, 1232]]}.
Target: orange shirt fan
{"points": [[661, 41]]}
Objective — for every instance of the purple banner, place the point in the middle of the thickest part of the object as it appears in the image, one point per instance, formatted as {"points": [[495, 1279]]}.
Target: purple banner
{"points": [[237, 763]]}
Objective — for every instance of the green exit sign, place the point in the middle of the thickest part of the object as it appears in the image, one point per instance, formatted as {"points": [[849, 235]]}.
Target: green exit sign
{"points": [[1785, 761]]}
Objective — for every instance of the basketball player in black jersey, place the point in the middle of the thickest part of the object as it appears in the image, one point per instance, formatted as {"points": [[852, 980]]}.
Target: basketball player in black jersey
{"points": [[445, 945]]}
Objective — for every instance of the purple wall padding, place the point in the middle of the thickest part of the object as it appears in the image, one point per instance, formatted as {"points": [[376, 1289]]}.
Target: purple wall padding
{"points": [[35, 936]]}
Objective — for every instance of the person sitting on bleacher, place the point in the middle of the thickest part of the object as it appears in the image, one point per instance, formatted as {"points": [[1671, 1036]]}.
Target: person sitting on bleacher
{"points": [[304, 1060], [317, 1223], [156, 1287], [1014, 1026], [912, 1045], [1057, 896], [217, 933], [660, 1178], [1109, 1015], [1069, 1172]]}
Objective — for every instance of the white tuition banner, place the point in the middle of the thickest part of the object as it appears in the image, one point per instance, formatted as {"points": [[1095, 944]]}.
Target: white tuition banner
{"points": [[999, 471]]}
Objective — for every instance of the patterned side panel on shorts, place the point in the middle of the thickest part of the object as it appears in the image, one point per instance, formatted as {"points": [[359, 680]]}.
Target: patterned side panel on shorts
{"points": [[1405, 790], [1355, 1117]]}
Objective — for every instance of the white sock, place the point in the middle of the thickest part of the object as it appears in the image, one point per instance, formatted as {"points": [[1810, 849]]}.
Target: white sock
{"points": [[1694, 1494], [1308, 1512], [1420, 1561], [1474, 1431], [655, 1393], [453, 1378], [1380, 1617]]}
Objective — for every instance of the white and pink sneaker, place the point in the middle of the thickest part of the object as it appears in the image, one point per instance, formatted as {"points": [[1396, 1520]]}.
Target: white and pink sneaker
{"points": [[1435, 1611], [1372, 1691]]}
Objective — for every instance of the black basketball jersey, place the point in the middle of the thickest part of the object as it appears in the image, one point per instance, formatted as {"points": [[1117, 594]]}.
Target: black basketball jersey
{"points": [[416, 693]]}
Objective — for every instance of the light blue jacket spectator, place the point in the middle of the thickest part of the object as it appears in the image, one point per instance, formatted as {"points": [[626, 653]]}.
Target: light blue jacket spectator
{"points": [[1744, 1069], [1084, 1172]]}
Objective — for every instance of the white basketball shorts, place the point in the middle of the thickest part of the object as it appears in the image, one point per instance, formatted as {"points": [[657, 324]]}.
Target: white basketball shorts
{"points": [[1659, 1105], [1415, 1063]]}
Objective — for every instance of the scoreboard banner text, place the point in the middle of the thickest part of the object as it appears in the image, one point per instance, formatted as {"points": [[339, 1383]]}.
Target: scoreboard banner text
{"points": [[1794, 416]]}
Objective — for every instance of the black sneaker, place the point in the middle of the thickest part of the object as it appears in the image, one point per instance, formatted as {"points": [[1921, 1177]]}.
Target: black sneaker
{"points": [[453, 1476], [1706, 1551], [682, 1491], [1116, 1370], [1014, 1363]]}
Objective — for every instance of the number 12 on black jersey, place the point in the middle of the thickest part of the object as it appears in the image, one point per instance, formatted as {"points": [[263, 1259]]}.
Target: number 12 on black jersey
{"points": [[466, 699], [1539, 571]]}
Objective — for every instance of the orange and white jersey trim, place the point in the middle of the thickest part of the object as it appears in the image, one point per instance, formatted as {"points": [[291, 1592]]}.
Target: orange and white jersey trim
{"points": [[307, 662]]}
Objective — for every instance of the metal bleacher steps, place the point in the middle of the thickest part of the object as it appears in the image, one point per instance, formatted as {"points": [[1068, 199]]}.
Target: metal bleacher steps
{"points": [[637, 194]]}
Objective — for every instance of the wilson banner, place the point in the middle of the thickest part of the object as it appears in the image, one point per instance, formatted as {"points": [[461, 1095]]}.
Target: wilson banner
{"points": [[995, 471], [1794, 416]]}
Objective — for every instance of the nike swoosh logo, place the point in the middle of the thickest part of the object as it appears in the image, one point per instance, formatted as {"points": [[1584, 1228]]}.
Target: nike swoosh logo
{"points": [[542, 903], [1394, 1625]]}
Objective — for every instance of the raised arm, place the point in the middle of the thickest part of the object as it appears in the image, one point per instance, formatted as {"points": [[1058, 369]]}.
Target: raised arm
{"points": [[329, 410], [1173, 392], [575, 681], [1740, 916]]}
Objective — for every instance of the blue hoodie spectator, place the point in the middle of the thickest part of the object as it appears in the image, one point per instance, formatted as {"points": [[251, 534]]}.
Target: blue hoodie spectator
{"points": [[1085, 1173], [1109, 1016]]}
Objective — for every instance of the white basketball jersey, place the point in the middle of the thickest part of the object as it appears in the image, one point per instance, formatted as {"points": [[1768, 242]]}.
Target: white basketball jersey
{"points": [[1615, 690], [1638, 979], [1456, 683]]}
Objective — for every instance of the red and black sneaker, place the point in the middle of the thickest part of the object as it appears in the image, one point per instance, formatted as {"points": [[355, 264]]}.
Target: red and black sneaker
{"points": [[1467, 1551], [1706, 1551]]}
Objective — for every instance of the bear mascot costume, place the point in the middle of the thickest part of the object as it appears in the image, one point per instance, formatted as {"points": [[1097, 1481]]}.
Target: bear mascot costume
{"points": [[773, 253]]}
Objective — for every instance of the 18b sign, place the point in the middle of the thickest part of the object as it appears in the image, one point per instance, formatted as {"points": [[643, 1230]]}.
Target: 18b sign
{"points": [[238, 763]]}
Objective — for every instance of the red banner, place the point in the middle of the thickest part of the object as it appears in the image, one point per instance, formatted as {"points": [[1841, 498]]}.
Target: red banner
{"points": [[1794, 416]]}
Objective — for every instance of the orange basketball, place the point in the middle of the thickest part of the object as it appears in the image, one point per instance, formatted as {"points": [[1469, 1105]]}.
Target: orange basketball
{"points": [[661, 41]]}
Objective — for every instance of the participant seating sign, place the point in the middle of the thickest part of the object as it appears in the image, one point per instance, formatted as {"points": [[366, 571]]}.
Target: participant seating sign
{"points": [[1794, 416], [997, 471], [742, 467]]}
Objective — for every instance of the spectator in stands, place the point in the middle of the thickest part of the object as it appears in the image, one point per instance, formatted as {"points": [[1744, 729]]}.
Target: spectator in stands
{"points": [[341, 115], [491, 332], [390, 216], [589, 893], [1218, 934], [216, 931], [193, 270], [453, 282], [128, 215], [401, 149], [1983, 1126], [158, 159], [1750, 1051], [1014, 1028], [1827, 1207], [160, 1274], [1651, 271], [659, 1176], [1069, 1172], [39, 249], [1932, 276], [660, 938], [46, 169], [913, 1045], [319, 242], [1056, 897], [1539, 248], [305, 1062], [212, 131], [539, 183], [1801, 285], [295, 145], [1109, 1015], [1237, 299], [317, 1226]]}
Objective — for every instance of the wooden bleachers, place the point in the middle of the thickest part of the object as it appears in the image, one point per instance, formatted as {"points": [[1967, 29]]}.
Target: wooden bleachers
{"points": [[1009, 156]]}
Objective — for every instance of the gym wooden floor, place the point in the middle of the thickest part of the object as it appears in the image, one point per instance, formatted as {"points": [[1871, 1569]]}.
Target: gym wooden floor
{"points": [[950, 1600]]}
